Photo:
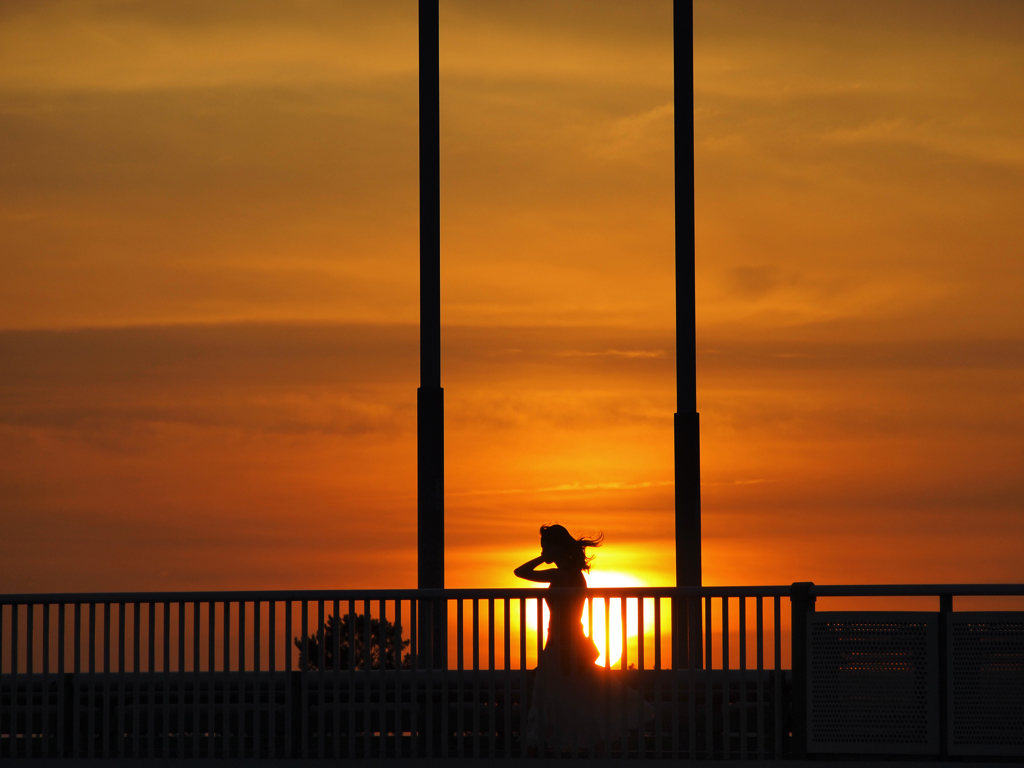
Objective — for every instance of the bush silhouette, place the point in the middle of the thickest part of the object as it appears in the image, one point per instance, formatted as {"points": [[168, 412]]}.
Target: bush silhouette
{"points": [[309, 645]]}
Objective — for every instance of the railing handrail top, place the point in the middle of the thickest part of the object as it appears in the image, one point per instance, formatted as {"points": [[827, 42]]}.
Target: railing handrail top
{"points": [[915, 590], [329, 595]]}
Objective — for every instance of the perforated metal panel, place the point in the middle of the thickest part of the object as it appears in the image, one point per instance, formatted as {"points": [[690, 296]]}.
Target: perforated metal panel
{"points": [[986, 690], [872, 682]]}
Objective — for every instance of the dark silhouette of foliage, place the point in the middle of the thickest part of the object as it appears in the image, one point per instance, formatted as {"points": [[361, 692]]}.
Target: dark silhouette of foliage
{"points": [[309, 645]]}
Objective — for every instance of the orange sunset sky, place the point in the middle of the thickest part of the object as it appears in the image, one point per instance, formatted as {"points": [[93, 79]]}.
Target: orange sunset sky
{"points": [[208, 290]]}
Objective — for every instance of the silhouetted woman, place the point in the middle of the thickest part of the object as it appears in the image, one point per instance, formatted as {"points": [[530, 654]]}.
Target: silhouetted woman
{"points": [[574, 702], [563, 691]]}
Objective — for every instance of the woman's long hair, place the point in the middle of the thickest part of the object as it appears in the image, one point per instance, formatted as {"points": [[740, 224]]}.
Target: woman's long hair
{"points": [[575, 549]]}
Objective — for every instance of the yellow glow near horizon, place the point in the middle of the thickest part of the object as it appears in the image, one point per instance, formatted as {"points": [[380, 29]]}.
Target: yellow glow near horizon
{"points": [[614, 626], [598, 580]]}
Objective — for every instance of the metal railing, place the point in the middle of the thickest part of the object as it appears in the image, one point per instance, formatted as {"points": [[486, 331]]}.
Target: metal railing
{"points": [[907, 682], [387, 673], [700, 673]]}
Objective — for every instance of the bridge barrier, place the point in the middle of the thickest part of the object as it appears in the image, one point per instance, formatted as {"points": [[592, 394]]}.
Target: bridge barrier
{"points": [[698, 673]]}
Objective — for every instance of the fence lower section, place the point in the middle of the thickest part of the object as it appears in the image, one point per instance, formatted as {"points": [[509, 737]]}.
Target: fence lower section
{"points": [[360, 715], [986, 694]]}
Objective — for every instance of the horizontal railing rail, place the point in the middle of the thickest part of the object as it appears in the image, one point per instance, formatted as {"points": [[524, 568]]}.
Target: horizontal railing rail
{"points": [[821, 590], [312, 595], [916, 590]]}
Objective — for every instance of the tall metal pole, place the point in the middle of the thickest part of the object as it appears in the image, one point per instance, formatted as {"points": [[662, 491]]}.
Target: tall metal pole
{"points": [[687, 424], [430, 395]]}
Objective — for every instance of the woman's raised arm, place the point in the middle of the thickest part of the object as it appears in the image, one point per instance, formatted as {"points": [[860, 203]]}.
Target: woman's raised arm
{"points": [[528, 571]]}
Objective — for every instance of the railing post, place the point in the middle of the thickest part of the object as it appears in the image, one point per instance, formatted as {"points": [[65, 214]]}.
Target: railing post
{"points": [[802, 603], [945, 609]]}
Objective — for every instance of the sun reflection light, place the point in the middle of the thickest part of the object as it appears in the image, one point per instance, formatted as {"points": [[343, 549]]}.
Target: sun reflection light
{"points": [[614, 627]]}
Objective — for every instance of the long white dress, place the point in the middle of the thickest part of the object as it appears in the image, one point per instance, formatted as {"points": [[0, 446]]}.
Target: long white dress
{"points": [[576, 704]]}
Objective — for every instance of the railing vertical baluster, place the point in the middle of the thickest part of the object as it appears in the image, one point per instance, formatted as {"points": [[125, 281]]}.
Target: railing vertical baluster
{"points": [[122, 684], [240, 708], [592, 744], [137, 680], [573, 683], [523, 680], [444, 618], [367, 693], [165, 685], [382, 637], [289, 688], [398, 678], [677, 644], [76, 660], [16, 743], [491, 693], [151, 684], [743, 677], [476, 678], [30, 642], [92, 681], [15, 671], [760, 678], [14, 681], [429, 654], [351, 678], [304, 679], [46, 638], [460, 636], [414, 652], [336, 654], [709, 690], [694, 662], [607, 697], [446, 723], [12, 702], [541, 744], [225, 729], [623, 667], [658, 742], [181, 681], [506, 631], [257, 686], [63, 705], [272, 680], [321, 662], [10, 731], [105, 739], [196, 665], [726, 686], [289, 747], [211, 691], [778, 677], [641, 722], [425, 614], [47, 747]]}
